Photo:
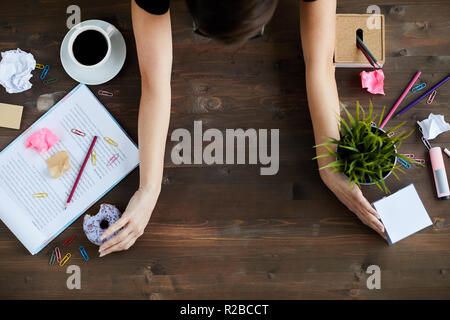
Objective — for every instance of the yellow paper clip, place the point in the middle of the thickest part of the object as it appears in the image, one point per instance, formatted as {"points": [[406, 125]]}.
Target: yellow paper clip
{"points": [[40, 195], [39, 66], [111, 141], [94, 158], [65, 259]]}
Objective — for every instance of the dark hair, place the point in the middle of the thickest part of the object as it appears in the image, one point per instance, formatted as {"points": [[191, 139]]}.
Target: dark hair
{"points": [[231, 21]]}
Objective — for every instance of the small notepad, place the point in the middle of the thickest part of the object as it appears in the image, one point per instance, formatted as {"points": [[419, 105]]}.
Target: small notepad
{"points": [[10, 115], [402, 214]]}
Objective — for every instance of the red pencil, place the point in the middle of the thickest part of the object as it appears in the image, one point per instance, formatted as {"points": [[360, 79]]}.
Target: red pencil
{"points": [[81, 170]]}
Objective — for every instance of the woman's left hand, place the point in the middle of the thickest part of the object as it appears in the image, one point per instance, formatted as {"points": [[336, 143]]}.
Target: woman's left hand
{"points": [[133, 222]]}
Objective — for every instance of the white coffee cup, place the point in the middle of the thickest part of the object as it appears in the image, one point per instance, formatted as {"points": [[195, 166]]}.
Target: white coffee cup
{"points": [[106, 33]]}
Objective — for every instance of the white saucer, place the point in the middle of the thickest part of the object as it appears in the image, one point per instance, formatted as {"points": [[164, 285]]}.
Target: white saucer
{"points": [[104, 72]]}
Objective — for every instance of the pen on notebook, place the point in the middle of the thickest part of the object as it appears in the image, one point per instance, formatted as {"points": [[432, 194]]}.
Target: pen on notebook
{"points": [[81, 171], [412, 104]]}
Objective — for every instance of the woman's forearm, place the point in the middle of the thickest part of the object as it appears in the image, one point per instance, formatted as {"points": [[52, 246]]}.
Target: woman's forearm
{"points": [[323, 104], [154, 115]]}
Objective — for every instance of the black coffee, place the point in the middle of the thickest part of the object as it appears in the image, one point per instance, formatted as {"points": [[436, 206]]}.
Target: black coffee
{"points": [[90, 47]]}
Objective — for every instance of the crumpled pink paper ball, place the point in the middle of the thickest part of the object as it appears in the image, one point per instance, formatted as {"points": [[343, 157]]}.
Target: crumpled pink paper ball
{"points": [[373, 81], [41, 140]]}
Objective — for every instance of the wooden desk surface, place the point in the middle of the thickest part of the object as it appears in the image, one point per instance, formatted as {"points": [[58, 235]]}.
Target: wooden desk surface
{"points": [[224, 231]]}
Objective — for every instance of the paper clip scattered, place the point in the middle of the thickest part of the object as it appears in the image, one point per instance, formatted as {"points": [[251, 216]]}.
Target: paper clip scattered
{"points": [[39, 66], [40, 195], [65, 259], [431, 97], [69, 240], [112, 159], [111, 141], [78, 132], [409, 155], [391, 134], [44, 71], [105, 93], [52, 259], [51, 80], [58, 255], [404, 163], [94, 158], [419, 87], [421, 161], [84, 253]]}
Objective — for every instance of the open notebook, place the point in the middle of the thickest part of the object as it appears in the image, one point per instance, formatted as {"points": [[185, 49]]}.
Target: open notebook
{"points": [[24, 172]]}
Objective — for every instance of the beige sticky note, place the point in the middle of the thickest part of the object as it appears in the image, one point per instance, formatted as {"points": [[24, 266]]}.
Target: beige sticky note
{"points": [[58, 164], [10, 115]]}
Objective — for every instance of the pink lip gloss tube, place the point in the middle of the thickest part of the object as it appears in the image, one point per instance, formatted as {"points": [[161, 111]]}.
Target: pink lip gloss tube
{"points": [[440, 176]]}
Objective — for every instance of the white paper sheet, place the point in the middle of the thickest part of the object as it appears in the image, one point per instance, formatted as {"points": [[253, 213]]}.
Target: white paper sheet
{"points": [[433, 126], [23, 172], [402, 213]]}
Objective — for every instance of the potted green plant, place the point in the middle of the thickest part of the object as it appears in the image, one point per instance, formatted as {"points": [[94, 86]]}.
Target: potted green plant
{"points": [[365, 153]]}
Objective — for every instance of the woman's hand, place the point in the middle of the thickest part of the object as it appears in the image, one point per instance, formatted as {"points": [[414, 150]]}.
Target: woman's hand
{"points": [[133, 221], [352, 197]]}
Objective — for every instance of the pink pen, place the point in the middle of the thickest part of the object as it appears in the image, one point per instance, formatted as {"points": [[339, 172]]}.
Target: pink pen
{"points": [[440, 176]]}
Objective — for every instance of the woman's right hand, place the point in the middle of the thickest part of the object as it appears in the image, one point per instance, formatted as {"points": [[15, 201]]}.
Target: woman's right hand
{"points": [[352, 197]]}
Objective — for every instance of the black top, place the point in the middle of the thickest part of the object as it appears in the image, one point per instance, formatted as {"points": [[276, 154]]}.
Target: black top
{"points": [[154, 6], [161, 6]]}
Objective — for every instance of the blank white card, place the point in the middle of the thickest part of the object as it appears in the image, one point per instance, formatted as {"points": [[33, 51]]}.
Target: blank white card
{"points": [[402, 214]]}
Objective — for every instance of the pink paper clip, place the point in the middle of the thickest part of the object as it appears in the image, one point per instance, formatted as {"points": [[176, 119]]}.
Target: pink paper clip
{"points": [[431, 97], [69, 240], [112, 159], [105, 93], [421, 161], [409, 155], [58, 254], [78, 132]]}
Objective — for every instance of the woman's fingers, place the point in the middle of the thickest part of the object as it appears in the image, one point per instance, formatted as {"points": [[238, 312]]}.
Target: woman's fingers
{"points": [[116, 239], [122, 245], [116, 226]]}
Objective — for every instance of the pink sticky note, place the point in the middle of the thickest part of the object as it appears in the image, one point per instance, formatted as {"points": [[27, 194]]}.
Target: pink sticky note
{"points": [[41, 140], [373, 81]]}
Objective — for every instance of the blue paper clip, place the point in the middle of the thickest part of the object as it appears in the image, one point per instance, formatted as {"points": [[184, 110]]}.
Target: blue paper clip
{"points": [[83, 253], [44, 71], [419, 87], [404, 163]]}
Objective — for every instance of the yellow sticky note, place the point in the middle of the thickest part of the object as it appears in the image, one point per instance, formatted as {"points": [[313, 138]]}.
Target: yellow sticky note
{"points": [[10, 115]]}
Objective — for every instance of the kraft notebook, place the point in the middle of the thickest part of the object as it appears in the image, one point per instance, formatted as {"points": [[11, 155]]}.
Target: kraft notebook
{"points": [[23, 172]]}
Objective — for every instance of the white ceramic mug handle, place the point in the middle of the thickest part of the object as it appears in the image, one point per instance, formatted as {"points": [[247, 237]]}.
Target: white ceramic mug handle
{"points": [[110, 30]]}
